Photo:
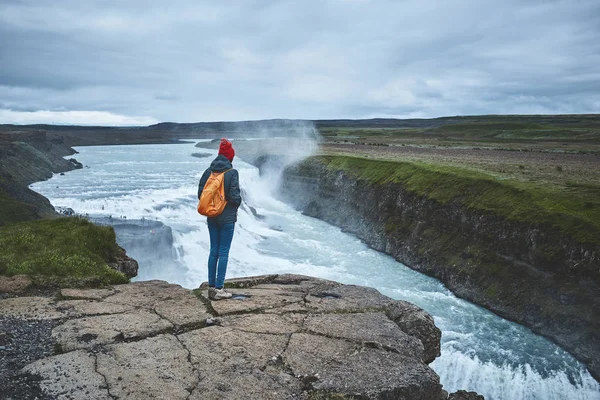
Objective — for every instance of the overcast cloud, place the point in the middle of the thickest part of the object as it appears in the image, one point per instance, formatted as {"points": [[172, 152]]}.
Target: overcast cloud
{"points": [[139, 62]]}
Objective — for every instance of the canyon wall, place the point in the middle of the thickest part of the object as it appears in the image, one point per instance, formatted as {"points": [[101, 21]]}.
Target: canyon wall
{"points": [[27, 157], [531, 273]]}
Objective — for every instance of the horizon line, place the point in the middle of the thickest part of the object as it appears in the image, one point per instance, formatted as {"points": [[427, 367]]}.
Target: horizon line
{"points": [[305, 120]]}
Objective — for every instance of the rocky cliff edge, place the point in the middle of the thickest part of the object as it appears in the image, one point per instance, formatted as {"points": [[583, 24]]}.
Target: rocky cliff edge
{"points": [[280, 337]]}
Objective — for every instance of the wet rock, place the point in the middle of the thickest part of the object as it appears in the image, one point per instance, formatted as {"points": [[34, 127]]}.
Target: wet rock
{"points": [[202, 155], [416, 322], [74, 163], [125, 264], [67, 211], [464, 395]]}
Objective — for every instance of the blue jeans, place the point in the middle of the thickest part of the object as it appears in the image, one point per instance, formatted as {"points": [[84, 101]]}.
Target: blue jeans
{"points": [[220, 242]]}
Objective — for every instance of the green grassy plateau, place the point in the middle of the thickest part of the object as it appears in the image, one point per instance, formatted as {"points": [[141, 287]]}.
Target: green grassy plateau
{"points": [[576, 213], [539, 169], [60, 251]]}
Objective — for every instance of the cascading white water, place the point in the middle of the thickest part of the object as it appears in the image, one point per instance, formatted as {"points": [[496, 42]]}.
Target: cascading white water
{"points": [[480, 351]]}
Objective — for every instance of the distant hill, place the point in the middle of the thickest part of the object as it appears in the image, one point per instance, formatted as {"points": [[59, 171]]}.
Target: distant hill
{"points": [[168, 132]]}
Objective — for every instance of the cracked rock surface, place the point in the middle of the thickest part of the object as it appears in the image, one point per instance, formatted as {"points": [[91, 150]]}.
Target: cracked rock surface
{"points": [[280, 337]]}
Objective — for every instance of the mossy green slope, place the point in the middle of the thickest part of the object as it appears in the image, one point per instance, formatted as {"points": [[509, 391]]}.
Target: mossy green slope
{"points": [[574, 211], [67, 251], [12, 210]]}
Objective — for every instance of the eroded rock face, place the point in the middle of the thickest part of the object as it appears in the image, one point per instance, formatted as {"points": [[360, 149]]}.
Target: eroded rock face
{"points": [[280, 337], [464, 395], [125, 264]]}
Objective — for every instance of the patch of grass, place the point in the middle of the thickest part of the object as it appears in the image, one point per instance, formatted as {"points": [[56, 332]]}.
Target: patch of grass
{"points": [[61, 250], [491, 128], [12, 210], [569, 211], [207, 303]]}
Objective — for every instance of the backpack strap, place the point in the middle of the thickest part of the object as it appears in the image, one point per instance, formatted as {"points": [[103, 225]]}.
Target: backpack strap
{"points": [[221, 173]]}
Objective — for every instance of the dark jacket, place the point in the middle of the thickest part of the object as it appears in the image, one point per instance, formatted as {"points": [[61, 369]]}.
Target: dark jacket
{"points": [[232, 189]]}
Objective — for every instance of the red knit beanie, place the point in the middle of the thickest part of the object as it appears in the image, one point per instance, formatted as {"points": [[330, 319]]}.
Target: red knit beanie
{"points": [[226, 149]]}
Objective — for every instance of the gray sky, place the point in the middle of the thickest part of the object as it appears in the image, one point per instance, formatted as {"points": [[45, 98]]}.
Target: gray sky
{"points": [[143, 61]]}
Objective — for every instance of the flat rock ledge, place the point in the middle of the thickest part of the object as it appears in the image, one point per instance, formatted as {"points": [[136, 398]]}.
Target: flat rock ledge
{"points": [[280, 337]]}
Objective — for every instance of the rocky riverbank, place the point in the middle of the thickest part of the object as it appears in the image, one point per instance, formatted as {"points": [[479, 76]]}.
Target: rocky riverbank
{"points": [[281, 337], [33, 242], [527, 272], [27, 157]]}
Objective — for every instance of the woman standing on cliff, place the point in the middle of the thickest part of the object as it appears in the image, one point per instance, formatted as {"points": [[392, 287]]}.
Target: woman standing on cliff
{"points": [[221, 227]]}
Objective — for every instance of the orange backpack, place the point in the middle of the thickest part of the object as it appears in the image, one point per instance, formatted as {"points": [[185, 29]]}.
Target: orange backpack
{"points": [[212, 200]]}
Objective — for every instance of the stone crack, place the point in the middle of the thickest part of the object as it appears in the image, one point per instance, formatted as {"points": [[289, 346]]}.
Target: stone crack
{"points": [[189, 358], [153, 310], [207, 303], [369, 344], [103, 377], [286, 368]]}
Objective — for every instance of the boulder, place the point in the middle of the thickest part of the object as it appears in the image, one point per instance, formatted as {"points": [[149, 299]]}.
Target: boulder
{"points": [[464, 395], [125, 264]]}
